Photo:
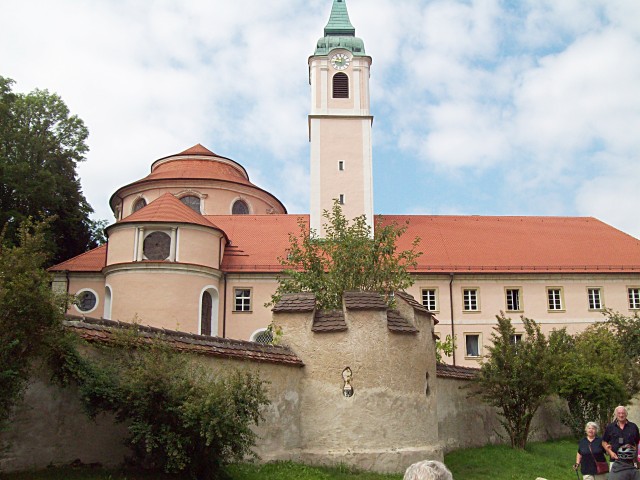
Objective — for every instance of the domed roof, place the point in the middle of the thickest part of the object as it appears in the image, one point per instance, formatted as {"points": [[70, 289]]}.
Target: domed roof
{"points": [[198, 162]]}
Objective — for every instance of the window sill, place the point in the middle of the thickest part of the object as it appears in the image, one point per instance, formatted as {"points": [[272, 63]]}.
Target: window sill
{"points": [[242, 311], [556, 311], [471, 311]]}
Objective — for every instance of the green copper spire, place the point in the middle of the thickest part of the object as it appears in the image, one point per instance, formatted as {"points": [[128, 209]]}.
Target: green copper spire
{"points": [[339, 33]]}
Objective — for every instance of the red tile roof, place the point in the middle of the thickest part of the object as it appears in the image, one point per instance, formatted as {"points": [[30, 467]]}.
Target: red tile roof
{"points": [[257, 241], [197, 169], [91, 261], [451, 243], [167, 208], [518, 244]]}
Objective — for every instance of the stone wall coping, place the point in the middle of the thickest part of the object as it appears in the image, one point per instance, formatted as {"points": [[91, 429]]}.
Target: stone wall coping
{"points": [[101, 330], [453, 371]]}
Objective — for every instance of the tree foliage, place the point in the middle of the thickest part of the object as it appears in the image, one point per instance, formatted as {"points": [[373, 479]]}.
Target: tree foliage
{"points": [[40, 146], [30, 312], [180, 416], [349, 257], [590, 376], [627, 332], [516, 377]]}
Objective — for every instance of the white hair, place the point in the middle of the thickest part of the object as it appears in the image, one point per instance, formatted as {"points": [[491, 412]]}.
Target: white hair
{"points": [[591, 424], [428, 470]]}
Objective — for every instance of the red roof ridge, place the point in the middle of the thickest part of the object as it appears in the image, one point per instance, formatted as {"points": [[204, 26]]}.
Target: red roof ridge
{"points": [[198, 149]]}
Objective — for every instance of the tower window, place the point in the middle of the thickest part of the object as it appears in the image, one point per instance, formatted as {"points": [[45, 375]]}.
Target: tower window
{"points": [[240, 207], [341, 165], [341, 199], [340, 85]]}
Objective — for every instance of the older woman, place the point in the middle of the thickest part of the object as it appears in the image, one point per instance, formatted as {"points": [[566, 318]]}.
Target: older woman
{"points": [[590, 451], [428, 470]]}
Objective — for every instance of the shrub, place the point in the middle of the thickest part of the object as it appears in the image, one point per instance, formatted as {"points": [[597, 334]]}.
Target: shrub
{"points": [[180, 416]]}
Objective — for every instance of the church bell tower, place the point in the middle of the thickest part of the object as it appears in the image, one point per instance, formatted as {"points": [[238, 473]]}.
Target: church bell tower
{"points": [[340, 122]]}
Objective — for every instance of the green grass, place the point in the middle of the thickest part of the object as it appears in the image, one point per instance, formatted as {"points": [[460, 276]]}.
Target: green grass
{"points": [[550, 460]]}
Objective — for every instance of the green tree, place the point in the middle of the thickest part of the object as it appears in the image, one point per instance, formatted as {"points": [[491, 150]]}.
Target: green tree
{"points": [[516, 377], [30, 312], [181, 417], [40, 146], [349, 257], [627, 333]]}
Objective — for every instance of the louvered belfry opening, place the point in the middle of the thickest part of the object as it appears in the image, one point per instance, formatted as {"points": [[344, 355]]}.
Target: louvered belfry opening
{"points": [[340, 85]]}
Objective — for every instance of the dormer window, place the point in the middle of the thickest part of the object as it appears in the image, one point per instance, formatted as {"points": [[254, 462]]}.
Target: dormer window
{"points": [[240, 207], [192, 202], [340, 85]]}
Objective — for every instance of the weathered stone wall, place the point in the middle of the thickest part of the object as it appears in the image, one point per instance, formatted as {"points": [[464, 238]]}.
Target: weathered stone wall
{"points": [[390, 421], [465, 421], [401, 410]]}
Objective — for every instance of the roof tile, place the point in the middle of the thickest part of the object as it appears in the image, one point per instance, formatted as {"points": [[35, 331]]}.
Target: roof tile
{"points": [[167, 208], [296, 302], [91, 261], [364, 301], [451, 371], [397, 323], [329, 321]]}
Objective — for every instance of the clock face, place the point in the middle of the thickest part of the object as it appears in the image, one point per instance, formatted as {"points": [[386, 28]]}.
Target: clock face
{"points": [[340, 61]]}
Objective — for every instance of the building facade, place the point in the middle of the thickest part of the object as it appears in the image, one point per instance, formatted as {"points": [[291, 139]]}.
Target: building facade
{"points": [[196, 246]]}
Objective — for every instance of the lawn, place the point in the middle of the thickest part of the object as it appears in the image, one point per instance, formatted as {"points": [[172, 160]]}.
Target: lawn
{"points": [[550, 460]]}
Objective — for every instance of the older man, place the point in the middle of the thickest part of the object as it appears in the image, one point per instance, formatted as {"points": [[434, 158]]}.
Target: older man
{"points": [[428, 470], [620, 432]]}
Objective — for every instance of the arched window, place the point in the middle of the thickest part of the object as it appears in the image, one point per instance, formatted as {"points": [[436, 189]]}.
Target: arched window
{"points": [[192, 202], [240, 207], [340, 85], [263, 336], [209, 312], [138, 204], [205, 315], [107, 302]]}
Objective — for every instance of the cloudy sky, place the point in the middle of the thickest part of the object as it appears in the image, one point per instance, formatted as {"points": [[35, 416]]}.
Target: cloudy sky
{"points": [[484, 107]]}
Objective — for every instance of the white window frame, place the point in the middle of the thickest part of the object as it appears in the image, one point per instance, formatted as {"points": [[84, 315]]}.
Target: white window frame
{"points": [[516, 338], [436, 302], [559, 298], [633, 297], [84, 312], [471, 299], [246, 301], [506, 299], [466, 351], [592, 298]]}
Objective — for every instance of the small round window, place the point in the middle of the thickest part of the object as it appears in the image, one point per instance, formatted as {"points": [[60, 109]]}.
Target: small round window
{"points": [[157, 246], [140, 203], [86, 301], [192, 202], [240, 207]]}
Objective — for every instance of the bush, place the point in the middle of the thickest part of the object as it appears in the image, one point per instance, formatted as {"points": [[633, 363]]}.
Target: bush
{"points": [[180, 416]]}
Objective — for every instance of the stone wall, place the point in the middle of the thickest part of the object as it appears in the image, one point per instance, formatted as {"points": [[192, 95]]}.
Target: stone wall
{"points": [[402, 409], [465, 421]]}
